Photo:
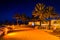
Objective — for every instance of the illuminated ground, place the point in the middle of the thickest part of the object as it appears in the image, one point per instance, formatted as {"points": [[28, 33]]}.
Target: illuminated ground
{"points": [[32, 34]]}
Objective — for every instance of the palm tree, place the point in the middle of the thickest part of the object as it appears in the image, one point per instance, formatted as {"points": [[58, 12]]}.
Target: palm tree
{"points": [[23, 17], [50, 13], [39, 11], [17, 17]]}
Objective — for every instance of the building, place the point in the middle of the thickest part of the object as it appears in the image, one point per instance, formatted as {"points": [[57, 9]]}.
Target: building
{"points": [[55, 23]]}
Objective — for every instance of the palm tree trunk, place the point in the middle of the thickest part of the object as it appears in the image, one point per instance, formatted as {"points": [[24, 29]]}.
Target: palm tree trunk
{"points": [[40, 23], [49, 24]]}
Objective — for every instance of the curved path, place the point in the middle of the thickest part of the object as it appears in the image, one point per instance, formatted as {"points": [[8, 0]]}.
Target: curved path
{"points": [[30, 35]]}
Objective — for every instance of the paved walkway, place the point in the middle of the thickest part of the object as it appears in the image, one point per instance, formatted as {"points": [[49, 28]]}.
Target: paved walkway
{"points": [[34, 34]]}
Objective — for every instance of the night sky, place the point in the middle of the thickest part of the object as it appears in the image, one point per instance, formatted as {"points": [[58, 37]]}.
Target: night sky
{"points": [[9, 7]]}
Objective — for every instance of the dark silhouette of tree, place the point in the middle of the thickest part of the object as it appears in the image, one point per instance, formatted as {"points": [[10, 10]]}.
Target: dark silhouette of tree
{"points": [[50, 13], [39, 11], [23, 17], [17, 17]]}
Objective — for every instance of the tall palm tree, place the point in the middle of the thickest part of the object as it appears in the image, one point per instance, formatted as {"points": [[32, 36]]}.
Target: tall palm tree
{"points": [[50, 13], [39, 11], [23, 17], [17, 17]]}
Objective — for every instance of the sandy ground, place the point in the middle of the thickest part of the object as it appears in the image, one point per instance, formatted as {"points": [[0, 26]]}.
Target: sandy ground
{"points": [[32, 34]]}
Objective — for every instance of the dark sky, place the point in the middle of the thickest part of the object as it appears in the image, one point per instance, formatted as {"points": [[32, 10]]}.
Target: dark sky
{"points": [[9, 7]]}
